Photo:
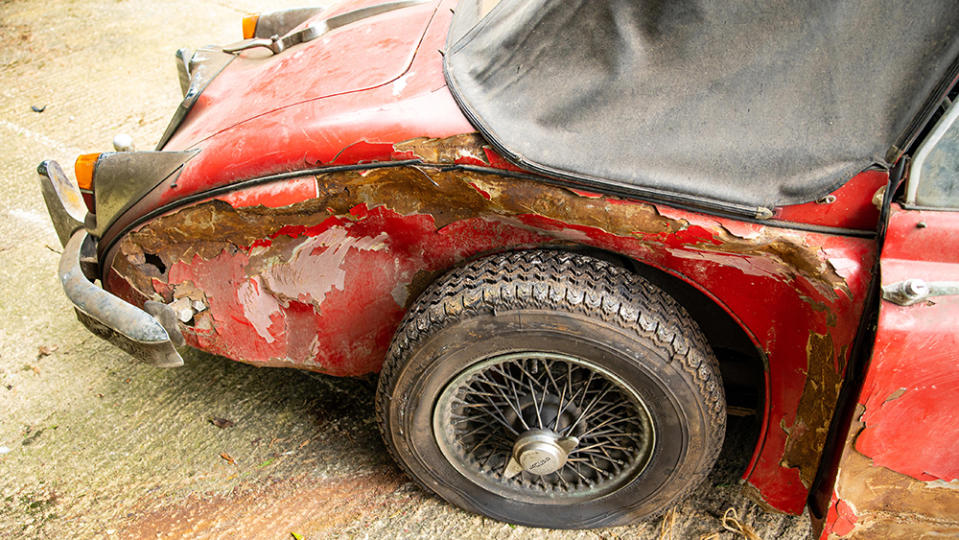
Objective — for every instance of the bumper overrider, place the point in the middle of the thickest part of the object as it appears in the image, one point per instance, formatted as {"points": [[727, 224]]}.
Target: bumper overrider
{"points": [[149, 334]]}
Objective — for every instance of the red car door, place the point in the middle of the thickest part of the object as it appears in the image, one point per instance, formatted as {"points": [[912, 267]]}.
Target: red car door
{"points": [[899, 472]]}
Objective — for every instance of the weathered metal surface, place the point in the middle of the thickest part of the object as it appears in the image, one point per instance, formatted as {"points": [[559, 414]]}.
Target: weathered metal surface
{"points": [[316, 274], [874, 502], [315, 271], [125, 177], [278, 23], [124, 325], [63, 200], [899, 472], [254, 85]]}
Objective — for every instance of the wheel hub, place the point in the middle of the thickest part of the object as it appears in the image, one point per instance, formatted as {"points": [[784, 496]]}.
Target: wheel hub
{"points": [[539, 452], [536, 425]]}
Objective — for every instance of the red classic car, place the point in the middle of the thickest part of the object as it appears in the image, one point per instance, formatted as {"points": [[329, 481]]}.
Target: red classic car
{"points": [[571, 237]]}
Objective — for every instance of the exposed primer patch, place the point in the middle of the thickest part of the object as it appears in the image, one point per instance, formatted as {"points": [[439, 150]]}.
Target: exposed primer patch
{"points": [[258, 306], [298, 279], [942, 484], [449, 150]]}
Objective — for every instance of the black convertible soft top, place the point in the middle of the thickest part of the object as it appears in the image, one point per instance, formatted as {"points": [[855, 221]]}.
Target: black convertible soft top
{"points": [[742, 105]]}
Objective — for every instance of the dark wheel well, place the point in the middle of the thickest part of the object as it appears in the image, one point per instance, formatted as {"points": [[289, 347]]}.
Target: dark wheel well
{"points": [[741, 364]]}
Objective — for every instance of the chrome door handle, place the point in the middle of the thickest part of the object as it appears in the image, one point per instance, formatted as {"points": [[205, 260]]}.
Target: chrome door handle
{"points": [[915, 290]]}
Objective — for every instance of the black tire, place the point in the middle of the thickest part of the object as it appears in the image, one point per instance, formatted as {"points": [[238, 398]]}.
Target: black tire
{"points": [[487, 328]]}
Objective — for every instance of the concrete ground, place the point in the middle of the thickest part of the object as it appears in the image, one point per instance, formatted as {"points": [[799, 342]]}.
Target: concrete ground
{"points": [[93, 444]]}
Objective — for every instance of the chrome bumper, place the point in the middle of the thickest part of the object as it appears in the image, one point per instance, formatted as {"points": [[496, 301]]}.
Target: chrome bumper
{"points": [[128, 327]]}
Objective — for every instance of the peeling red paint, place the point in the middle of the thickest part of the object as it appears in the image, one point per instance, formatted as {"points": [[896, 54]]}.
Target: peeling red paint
{"points": [[846, 520], [782, 286], [870, 501], [587, 194], [481, 192], [499, 162], [898, 473], [829, 522], [841, 519], [690, 235], [291, 313], [323, 283], [274, 195], [916, 359]]}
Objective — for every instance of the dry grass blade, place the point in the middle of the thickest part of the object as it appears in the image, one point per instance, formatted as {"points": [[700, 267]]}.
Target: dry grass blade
{"points": [[733, 523], [666, 526]]}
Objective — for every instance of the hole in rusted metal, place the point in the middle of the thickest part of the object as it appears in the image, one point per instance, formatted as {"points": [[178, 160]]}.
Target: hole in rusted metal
{"points": [[155, 260]]}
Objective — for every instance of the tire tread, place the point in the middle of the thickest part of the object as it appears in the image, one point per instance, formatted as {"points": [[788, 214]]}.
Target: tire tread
{"points": [[575, 283]]}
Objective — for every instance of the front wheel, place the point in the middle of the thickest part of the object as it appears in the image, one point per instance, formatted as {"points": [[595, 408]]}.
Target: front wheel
{"points": [[551, 389]]}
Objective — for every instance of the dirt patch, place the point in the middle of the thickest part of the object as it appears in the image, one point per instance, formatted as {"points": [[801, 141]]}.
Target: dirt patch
{"points": [[301, 505]]}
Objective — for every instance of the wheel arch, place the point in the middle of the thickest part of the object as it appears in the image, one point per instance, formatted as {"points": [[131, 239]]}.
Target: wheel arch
{"points": [[783, 285], [743, 363]]}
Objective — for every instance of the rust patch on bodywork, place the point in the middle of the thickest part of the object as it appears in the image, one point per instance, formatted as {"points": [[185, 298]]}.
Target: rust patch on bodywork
{"points": [[880, 503], [321, 284], [425, 218], [807, 435], [463, 148], [404, 211], [450, 196]]}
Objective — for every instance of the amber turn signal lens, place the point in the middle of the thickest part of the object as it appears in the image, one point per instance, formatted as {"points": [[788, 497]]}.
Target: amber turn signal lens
{"points": [[84, 170], [249, 25]]}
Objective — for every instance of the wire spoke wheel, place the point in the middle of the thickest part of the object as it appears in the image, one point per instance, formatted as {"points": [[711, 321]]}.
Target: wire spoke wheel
{"points": [[551, 389], [538, 424]]}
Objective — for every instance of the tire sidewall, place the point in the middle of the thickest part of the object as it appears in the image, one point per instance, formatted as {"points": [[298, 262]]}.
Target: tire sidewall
{"points": [[666, 387]]}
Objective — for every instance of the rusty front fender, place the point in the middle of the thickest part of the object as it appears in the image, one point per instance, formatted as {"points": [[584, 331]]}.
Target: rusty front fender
{"points": [[315, 271]]}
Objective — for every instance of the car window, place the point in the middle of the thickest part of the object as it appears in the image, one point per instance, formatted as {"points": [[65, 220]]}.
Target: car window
{"points": [[935, 171]]}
